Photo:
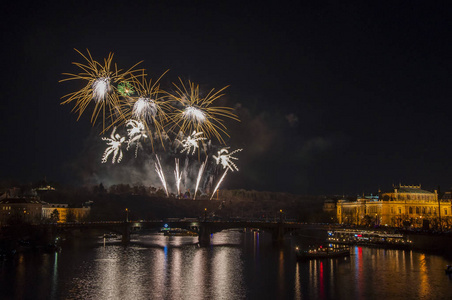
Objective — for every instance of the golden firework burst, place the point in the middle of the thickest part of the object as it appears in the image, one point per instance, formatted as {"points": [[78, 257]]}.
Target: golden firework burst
{"points": [[196, 113], [100, 87], [149, 105]]}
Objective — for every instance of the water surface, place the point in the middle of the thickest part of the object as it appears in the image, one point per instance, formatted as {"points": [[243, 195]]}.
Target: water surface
{"points": [[235, 266]]}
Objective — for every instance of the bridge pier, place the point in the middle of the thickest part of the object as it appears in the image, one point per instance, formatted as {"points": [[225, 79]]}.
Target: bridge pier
{"points": [[278, 233], [204, 235], [126, 233]]}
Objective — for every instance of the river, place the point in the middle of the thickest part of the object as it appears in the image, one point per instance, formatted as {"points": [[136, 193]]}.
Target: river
{"points": [[235, 266]]}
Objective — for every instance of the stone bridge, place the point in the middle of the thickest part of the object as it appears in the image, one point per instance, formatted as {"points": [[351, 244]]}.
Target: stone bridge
{"points": [[204, 229]]}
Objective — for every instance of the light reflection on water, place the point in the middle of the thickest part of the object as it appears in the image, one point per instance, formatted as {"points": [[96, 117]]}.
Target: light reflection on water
{"points": [[235, 266]]}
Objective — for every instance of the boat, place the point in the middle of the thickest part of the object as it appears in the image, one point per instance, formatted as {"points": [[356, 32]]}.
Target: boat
{"points": [[179, 232], [322, 252], [110, 236], [369, 238]]}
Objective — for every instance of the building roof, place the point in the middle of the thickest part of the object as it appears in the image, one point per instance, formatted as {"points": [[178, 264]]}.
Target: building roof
{"points": [[20, 201], [447, 196], [409, 189], [413, 190]]}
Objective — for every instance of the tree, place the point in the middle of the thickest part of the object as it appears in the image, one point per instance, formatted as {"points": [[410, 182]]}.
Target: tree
{"points": [[55, 216], [70, 215], [99, 189]]}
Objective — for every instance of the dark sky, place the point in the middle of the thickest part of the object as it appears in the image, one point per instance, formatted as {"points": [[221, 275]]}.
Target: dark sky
{"points": [[334, 98]]}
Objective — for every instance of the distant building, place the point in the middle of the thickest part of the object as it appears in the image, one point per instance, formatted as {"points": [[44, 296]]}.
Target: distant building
{"points": [[66, 213], [16, 206], [447, 196], [366, 210], [404, 205], [19, 206], [329, 206]]}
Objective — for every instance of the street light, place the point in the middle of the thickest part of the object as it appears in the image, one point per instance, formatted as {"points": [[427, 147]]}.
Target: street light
{"points": [[127, 215]]}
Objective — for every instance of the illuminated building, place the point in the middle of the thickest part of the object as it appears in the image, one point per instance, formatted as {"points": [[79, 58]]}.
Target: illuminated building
{"points": [[16, 206], [404, 205], [329, 206], [65, 213]]}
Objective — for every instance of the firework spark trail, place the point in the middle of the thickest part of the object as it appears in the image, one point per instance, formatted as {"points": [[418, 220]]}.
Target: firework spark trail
{"points": [[201, 171], [191, 141], [219, 182], [185, 172], [225, 159], [159, 170], [135, 133], [178, 176], [114, 142]]}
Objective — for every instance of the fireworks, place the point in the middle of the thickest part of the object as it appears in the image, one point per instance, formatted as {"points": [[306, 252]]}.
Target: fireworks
{"points": [[218, 184], [196, 113], [159, 170], [201, 170], [99, 86], [177, 175], [144, 109], [135, 133], [139, 112], [226, 159], [114, 142], [150, 107], [101, 89], [125, 89], [191, 141]]}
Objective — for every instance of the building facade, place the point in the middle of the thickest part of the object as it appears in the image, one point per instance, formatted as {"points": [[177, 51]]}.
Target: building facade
{"points": [[65, 213], [403, 206], [15, 207]]}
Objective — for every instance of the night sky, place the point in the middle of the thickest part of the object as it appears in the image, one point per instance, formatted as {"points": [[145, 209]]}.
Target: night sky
{"points": [[334, 98]]}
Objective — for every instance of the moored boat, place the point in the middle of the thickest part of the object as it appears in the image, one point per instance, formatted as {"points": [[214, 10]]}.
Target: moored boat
{"points": [[369, 238], [179, 232], [322, 252]]}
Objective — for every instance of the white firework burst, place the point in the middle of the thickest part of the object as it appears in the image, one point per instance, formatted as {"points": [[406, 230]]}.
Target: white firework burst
{"points": [[136, 132], [194, 114], [226, 159], [145, 109], [101, 88], [114, 147], [191, 141]]}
